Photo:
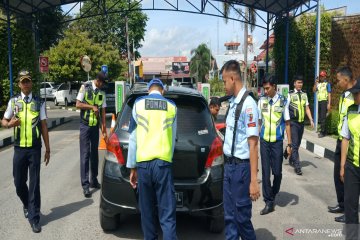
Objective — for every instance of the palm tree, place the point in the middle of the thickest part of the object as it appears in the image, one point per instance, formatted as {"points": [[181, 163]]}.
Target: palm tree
{"points": [[250, 14], [200, 62]]}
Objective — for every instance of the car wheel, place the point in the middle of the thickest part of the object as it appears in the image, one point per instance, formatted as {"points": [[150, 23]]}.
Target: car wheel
{"points": [[66, 102], [216, 222], [109, 223], [56, 102]]}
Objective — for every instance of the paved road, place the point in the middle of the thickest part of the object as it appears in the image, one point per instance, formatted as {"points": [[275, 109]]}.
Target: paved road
{"points": [[66, 214]]}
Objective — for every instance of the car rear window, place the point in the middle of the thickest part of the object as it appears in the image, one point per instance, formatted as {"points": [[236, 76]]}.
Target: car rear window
{"points": [[193, 117]]}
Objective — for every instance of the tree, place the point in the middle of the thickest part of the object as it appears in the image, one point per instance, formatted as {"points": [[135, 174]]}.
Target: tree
{"points": [[250, 15], [50, 27], [65, 58], [200, 62], [111, 27]]}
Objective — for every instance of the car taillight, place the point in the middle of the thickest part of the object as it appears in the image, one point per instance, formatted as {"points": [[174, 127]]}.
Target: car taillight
{"points": [[215, 156], [113, 148]]}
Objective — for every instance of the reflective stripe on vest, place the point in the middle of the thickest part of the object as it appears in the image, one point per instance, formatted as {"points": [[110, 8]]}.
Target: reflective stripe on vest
{"points": [[297, 106], [354, 128], [322, 91], [88, 116], [273, 124], [154, 131], [344, 104], [29, 131]]}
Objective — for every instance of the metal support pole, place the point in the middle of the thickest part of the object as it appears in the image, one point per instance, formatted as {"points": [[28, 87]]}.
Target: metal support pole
{"points": [[128, 48], [267, 44], [9, 47], [317, 61], [287, 50]]}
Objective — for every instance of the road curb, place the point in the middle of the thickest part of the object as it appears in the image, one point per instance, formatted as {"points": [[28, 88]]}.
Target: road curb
{"points": [[71, 109], [50, 124], [317, 149]]}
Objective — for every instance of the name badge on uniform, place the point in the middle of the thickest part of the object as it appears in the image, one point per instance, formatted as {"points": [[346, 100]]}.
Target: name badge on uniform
{"points": [[278, 109], [154, 104], [294, 98], [265, 107]]}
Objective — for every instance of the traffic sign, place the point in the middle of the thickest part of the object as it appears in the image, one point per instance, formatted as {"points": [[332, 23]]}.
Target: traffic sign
{"points": [[44, 64]]}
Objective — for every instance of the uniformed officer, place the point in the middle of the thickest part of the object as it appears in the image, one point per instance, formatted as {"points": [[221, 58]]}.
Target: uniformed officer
{"points": [[92, 103], [26, 114], [350, 165], [241, 156], [151, 147], [298, 106], [274, 119], [345, 82], [323, 89]]}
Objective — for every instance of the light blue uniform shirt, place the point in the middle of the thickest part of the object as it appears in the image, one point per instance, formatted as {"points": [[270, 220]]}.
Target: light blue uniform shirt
{"points": [[247, 126], [131, 158]]}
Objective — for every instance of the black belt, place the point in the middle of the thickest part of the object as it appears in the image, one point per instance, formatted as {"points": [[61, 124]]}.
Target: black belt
{"points": [[235, 160]]}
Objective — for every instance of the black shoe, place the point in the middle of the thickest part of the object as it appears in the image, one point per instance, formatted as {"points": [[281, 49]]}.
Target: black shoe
{"points": [[26, 212], [321, 135], [340, 219], [36, 228], [298, 171], [95, 185], [87, 193], [336, 209], [330, 207], [269, 207]]}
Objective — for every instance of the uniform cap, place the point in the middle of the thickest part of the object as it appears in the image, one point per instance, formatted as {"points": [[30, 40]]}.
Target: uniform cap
{"points": [[323, 74], [356, 87], [24, 74], [157, 82]]}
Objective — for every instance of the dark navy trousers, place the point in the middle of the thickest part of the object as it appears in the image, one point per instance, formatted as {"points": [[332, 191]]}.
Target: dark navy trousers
{"points": [[89, 143], [237, 202], [271, 160], [157, 193], [339, 185], [28, 160], [297, 131]]}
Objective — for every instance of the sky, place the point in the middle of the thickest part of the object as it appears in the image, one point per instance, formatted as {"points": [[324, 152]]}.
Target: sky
{"points": [[170, 33]]}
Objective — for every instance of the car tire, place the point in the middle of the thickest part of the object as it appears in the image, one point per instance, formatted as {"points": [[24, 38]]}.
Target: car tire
{"points": [[56, 102], [216, 222], [66, 102], [109, 223]]}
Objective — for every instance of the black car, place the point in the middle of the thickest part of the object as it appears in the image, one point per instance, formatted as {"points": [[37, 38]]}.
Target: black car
{"points": [[197, 162]]}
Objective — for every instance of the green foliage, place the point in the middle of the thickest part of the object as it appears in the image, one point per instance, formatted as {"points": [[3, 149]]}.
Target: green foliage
{"points": [[50, 27], [111, 27], [200, 62], [332, 122], [302, 47], [216, 87], [65, 57]]}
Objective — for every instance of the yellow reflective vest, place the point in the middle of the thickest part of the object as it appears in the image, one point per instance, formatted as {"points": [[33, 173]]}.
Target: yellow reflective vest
{"points": [[28, 133], [354, 128], [273, 123], [154, 133], [346, 100], [88, 116], [322, 93], [297, 106]]}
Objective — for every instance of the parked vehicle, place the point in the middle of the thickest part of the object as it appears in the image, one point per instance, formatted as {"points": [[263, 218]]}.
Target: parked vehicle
{"points": [[66, 93], [47, 90], [197, 162]]}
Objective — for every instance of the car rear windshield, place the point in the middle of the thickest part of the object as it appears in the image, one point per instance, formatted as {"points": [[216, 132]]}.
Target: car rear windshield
{"points": [[193, 117]]}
